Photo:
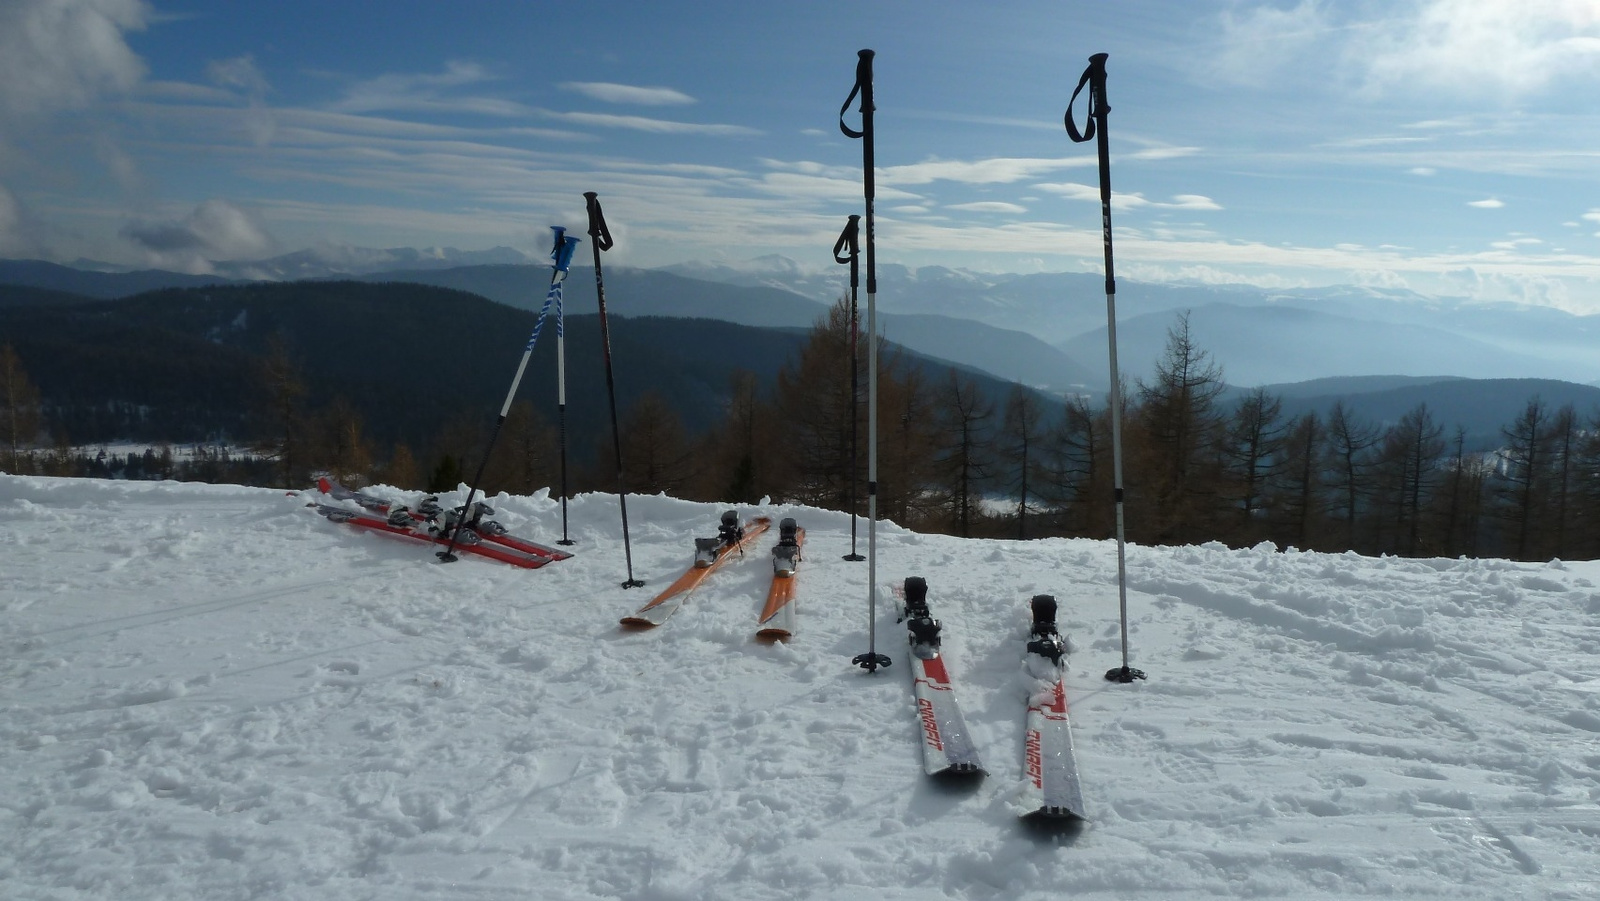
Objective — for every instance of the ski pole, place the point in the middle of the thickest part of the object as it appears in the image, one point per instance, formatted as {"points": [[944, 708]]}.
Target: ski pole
{"points": [[560, 259], [849, 241], [871, 660], [1095, 126], [561, 406], [600, 238]]}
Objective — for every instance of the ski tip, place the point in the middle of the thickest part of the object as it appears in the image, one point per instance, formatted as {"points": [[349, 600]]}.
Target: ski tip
{"points": [[636, 623]]}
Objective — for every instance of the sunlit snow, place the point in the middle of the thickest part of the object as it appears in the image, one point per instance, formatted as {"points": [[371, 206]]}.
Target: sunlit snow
{"points": [[211, 692]]}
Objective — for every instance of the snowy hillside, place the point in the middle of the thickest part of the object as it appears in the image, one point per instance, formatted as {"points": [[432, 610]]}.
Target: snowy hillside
{"points": [[211, 692]]}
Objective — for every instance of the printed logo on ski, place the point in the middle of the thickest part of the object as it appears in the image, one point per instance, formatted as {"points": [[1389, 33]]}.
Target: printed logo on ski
{"points": [[930, 724], [1034, 750]]}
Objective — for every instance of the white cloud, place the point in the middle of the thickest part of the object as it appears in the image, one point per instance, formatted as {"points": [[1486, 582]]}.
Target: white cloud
{"points": [[655, 126], [1120, 201], [988, 206], [1512, 47], [215, 230], [1000, 170], [1489, 204], [1592, 215], [241, 74], [1425, 171], [17, 236], [434, 91], [65, 54], [623, 93], [1262, 42], [1515, 243]]}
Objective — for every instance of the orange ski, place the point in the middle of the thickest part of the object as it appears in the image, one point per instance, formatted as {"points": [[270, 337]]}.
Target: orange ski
{"points": [[777, 617], [710, 554]]}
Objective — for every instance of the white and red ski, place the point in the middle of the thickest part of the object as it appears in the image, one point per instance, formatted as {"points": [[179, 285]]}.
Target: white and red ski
{"points": [[426, 518], [469, 541], [1051, 789], [947, 748]]}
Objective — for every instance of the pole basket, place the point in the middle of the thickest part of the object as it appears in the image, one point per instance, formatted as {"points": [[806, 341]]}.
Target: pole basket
{"points": [[1123, 674], [871, 662]]}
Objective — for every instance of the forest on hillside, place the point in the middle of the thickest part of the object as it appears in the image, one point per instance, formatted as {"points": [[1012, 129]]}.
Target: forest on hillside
{"points": [[952, 458]]}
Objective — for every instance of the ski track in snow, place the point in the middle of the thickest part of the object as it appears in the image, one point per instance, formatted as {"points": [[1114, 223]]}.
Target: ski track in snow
{"points": [[210, 692]]}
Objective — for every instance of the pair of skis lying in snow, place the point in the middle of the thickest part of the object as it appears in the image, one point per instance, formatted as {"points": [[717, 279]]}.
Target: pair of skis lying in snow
{"points": [[777, 616], [431, 523], [1050, 770]]}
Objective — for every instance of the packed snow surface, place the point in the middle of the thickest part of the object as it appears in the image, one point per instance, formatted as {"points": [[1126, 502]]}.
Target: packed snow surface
{"points": [[211, 692]]}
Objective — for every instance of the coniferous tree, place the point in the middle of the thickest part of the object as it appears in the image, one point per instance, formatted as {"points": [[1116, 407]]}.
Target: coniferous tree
{"points": [[401, 470], [343, 449], [1299, 506], [742, 460], [1018, 449], [1524, 489], [19, 412], [285, 418], [907, 441], [1252, 442], [1564, 439], [527, 456], [656, 447], [1173, 445], [1407, 471], [963, 462], [1462, 499], [1351, 445], [1076, 474], [813, 399]]}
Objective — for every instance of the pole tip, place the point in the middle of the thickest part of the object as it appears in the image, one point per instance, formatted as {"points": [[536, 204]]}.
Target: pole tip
{"points": [[865, 54]]}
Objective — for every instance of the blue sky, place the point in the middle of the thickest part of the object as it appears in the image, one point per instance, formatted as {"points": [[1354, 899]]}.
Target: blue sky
{"points": [[1447, 146]]}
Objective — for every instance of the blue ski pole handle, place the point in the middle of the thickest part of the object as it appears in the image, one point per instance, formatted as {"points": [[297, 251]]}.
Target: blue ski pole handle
{"points": [[561, 253]]}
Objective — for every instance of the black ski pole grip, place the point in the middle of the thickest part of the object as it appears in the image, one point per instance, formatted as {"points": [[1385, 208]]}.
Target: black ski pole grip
{"points": [[849, 242], [863, 87], [598, 231], [1095, 78]]}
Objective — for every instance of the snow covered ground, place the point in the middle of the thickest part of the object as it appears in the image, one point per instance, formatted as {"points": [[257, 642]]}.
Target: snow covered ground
{"points": [[210, 692]]}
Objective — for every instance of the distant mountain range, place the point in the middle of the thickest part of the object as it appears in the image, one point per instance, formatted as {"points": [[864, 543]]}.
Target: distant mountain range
{"points": [[1259, 336], [183, 365], [1045, 330]]}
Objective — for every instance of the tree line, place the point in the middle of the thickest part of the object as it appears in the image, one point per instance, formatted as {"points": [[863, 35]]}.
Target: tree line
{"points": [[954, 459]]}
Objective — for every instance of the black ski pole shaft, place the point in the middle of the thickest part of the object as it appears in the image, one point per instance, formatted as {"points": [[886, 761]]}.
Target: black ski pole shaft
{"points": [[871, 660], [1095, 127], [849, 244], [560, 259], [600, 238]]}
